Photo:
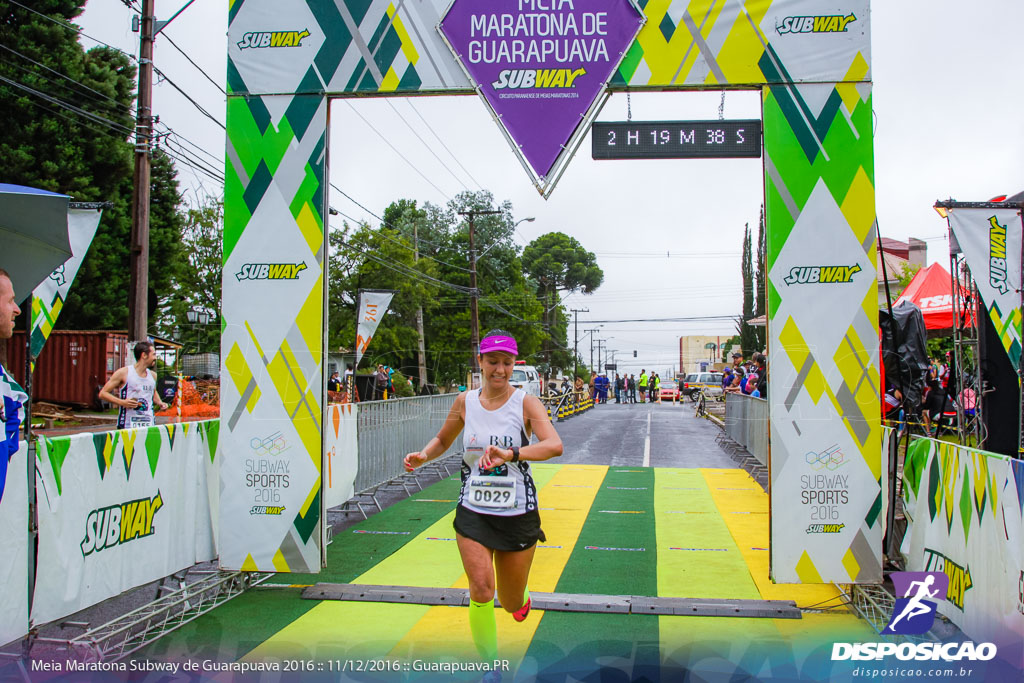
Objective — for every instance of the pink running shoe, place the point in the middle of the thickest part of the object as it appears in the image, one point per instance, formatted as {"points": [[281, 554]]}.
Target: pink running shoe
{"points": [[523, 611]]}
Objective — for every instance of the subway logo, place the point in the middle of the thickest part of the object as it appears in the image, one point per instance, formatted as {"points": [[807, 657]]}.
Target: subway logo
{"points": [[111, 526]]}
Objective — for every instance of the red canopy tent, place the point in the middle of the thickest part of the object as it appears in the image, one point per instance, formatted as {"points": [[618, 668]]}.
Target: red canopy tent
{"points": [[931, 290]]}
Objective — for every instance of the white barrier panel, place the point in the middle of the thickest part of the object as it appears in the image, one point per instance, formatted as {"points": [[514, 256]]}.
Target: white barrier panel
{"points": [[341, 453], [120, 509], [963, 509], [14, 541]]}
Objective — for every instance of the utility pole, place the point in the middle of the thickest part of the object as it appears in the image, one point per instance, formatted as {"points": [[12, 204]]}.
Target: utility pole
{"points": [[576, 338], [419, 312], [474, 318], [138, 314], [599, 355]]}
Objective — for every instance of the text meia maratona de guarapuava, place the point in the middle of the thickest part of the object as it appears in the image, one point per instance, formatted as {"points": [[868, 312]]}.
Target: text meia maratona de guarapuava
{"points": [[559, 34]]}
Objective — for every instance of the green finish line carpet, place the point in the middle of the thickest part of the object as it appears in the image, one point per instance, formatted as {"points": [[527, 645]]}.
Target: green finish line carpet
{"points": [[698, 533]]}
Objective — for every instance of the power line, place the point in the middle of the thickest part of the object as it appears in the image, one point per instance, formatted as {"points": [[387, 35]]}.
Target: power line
{"points": [[189, 98], [404, 246], [70, 107], [450, 152], [73, 29], [104, 96], [199, 68], [395, 149], [429, 148]]}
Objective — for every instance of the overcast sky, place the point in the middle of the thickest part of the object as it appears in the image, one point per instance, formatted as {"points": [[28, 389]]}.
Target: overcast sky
{"points": [[667, 234]]}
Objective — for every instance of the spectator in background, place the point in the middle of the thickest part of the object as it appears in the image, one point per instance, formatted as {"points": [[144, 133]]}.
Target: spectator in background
{"points": [[643, 384], [12, 398], [727, 377], [737, 382], [737, 361], [578, 388], [618, 388], [632, 388], [761, 368], [334, 383], [652, 386], [380, 383]]}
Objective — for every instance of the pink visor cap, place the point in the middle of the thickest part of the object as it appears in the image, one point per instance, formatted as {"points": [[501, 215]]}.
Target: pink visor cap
{"points": [[499, 343]]}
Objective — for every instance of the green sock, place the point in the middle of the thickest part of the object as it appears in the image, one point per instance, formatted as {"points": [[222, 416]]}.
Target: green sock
{"points": [[526, 595], [483, 626]]}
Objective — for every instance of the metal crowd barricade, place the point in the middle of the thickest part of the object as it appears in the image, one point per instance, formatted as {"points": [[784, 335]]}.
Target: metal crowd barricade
{"points": [[746, 423], [387, 430]]}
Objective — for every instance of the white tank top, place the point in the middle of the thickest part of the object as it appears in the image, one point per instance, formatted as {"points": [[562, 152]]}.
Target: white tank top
{"points": [[140, 388], [507, 490]]}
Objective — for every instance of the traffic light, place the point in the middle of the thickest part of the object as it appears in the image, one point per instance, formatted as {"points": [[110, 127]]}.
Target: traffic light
{"points": [[634, 353]]}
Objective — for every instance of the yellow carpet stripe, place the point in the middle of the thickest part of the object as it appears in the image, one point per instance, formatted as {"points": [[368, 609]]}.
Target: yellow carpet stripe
{"points": [[570, 491], [695, 574], [743, 506], [333, 627]]}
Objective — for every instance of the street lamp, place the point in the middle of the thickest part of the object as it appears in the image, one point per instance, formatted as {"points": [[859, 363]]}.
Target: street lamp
{"points": [[195, 317], [521, 220]]}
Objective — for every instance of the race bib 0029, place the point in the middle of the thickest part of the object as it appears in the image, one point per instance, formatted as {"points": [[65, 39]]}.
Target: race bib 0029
{"points": [[498, 493]]}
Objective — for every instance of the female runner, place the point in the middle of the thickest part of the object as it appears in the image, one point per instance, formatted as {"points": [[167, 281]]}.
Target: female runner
{"points": [[497, 524]]}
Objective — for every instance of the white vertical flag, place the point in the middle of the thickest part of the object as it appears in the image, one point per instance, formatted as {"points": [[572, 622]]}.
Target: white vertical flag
{"points": [[991, 242], [373, 303]]}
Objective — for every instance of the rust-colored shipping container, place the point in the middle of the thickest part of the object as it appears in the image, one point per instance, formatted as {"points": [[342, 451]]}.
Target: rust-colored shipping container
{"points": [[73, 365]]}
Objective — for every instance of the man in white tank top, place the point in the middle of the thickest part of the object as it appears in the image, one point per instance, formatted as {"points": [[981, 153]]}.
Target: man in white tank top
{"points": [[136, 390]]}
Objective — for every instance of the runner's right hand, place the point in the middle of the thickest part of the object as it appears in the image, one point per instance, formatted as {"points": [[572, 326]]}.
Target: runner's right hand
{"points": [[414, 460], [133, 403]]}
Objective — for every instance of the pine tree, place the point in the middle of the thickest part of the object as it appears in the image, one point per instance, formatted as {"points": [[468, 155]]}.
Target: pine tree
{"points": [[748, 337], [49, 143], [760, 302]]}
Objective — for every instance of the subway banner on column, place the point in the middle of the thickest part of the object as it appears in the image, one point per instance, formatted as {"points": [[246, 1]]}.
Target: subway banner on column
{"points": [[964, 508], [120, 509], [991, 243], [373, 304], [48, 298], [826, 460], [272, 347]]}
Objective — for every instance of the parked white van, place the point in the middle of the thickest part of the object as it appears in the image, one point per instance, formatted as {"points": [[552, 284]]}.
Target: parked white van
{"points": [[526, 377]]}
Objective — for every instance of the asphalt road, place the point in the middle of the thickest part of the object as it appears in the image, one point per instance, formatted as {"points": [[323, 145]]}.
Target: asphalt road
{"points": [[641, 434]]}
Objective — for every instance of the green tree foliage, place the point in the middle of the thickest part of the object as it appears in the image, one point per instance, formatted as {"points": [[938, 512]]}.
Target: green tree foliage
{"points": [[748, 338], [384, 258], [83, 153], [198, 286], [559, 263]]}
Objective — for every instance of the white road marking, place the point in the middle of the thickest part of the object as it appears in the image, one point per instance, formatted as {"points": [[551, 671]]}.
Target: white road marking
{"points": [[647, 443]]}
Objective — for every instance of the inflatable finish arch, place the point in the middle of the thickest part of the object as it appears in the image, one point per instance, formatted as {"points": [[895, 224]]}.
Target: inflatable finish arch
{"points": [[286, 58]]}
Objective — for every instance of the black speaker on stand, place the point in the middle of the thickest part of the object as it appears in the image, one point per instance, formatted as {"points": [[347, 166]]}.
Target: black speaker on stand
{"points": [[1001, 394]]}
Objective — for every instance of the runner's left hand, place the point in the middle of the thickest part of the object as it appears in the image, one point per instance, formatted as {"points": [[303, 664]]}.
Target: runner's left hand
{"points": [[495, 456]]}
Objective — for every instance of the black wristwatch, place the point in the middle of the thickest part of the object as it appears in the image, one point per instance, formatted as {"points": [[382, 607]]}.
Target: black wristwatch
{"points": [[515, 454]]}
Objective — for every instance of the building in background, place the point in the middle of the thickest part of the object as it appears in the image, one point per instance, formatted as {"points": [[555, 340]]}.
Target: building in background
{"points": [[698, 352], [900, 258]]}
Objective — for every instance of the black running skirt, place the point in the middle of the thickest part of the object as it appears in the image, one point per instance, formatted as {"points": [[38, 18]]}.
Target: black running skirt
{"points": [[510, 534]]}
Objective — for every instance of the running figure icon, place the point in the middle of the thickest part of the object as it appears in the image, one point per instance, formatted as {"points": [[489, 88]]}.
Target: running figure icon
{"points": [[915, 607], [917, 595]]}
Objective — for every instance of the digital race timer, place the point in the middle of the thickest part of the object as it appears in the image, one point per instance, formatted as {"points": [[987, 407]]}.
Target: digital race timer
{"points": [[676, 139]]}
